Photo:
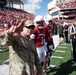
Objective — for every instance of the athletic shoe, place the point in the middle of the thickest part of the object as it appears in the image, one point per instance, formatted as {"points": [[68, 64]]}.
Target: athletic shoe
{"points": [[0, 50], [73, 61], [44, 72]]}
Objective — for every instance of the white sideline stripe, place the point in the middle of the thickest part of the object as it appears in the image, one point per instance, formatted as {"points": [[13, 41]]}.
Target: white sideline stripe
{"points": [[59, 51], [64, 44], [54, 66], [6, 61], [57, 57], [61, 47]]}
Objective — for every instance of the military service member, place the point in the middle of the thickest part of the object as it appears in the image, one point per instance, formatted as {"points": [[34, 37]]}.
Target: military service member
{"points": [[23, 56]]}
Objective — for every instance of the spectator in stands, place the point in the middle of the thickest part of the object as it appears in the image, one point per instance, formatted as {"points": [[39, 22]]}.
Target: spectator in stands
{"points": [[1, 27], [23, 55], [72, 33], [5, 26], [1, 31]]}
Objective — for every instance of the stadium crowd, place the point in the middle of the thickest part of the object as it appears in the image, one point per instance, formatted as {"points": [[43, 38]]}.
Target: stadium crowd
{"points": [[13, 16], [70, 4]]}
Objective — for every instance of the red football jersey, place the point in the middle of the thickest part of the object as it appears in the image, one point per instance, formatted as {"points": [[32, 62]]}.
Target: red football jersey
{"points": [[39, 33], [48, 31]]}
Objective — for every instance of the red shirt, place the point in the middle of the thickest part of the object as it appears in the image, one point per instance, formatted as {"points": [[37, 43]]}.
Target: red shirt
{"points": [[5, 29], [39, 33], [48, 31]]}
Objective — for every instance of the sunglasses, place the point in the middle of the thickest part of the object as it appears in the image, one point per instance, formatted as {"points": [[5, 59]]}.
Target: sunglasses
{"points": [[30, 27], [50, 20], [40, 22]]}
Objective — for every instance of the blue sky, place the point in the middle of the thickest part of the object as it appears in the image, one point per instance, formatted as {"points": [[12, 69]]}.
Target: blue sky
{"points": [[38, 7]]}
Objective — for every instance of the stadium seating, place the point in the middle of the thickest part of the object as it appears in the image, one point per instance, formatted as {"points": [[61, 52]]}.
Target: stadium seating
{"points": [[11, 14], [66, 8]]}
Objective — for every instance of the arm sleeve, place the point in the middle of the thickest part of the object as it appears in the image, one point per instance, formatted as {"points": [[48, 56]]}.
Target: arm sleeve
{"points": [[37, 61], [70, 29], [3, 38], [32, 36], [6, 38]]}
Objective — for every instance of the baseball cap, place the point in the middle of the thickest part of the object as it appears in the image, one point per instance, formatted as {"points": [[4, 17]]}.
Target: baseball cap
{"points": [[29, 24]]}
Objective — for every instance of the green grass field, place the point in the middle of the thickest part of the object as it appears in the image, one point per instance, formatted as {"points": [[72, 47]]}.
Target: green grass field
{"points": [[65, 64], [4, 55]]}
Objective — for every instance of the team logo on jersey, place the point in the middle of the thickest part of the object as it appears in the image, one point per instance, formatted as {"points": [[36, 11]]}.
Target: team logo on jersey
{"points": [[42, 34]]}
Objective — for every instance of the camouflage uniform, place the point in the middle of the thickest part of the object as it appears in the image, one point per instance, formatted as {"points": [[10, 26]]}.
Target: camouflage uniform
{"points": [[23, 55]]}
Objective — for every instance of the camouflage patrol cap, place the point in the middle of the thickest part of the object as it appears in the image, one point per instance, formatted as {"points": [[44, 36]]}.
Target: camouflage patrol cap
{"points": [[28, 23]]}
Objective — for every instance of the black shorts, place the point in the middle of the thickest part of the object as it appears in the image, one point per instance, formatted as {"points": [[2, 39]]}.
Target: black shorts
{"points": [[50, 43], [61, 35]]}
